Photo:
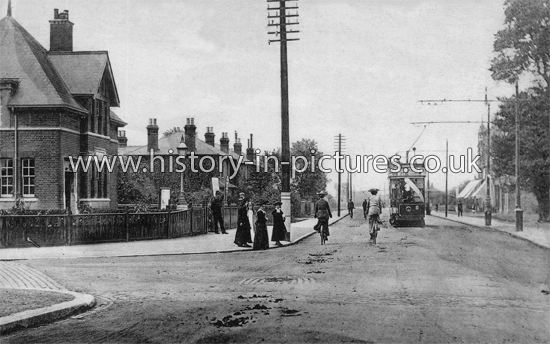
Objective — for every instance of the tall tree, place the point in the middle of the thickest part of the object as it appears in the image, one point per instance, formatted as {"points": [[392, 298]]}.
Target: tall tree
{"points": [[523, 47], [534, 149], [312, 180]]}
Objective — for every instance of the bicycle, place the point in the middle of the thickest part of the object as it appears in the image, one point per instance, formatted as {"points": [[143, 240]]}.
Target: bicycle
{"points": [[376, 228], [323, 232]]}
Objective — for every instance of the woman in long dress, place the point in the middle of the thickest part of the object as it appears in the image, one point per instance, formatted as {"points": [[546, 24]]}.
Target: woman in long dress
{"points": [[279, 229], [250, 214], [261, 238], [242, 237]]}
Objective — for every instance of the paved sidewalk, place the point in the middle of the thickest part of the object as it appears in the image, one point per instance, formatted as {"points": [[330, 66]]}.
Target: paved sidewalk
{"points": [[209, 243], [17, 276], [538, 234]]}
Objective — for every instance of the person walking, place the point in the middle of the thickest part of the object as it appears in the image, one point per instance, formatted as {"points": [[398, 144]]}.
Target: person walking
{"points": [[351, 206], [374, 204], [322, 214], [279, 229], [365, 208], [242, 236], [459, 208], [261, 238], [216, 207]]}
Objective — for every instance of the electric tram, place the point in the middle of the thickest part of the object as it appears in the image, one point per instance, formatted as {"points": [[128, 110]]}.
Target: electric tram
{"points": [[406, 187]]}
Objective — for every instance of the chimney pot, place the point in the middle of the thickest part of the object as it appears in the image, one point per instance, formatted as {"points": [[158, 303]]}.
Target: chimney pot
{"points": [[61, 32], [190, 135], [224, 143], [209, 136], [152, 135]]}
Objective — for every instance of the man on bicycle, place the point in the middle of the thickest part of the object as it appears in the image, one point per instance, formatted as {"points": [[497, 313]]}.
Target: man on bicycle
{"points": [[322, 213], [374, 206]]}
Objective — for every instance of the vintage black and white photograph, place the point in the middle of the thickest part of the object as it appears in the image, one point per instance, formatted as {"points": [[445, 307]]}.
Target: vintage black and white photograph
{"points": [[274, 171]]}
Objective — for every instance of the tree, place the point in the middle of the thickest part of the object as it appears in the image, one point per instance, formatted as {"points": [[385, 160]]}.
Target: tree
{"points": [[309, 182], [534, 148], [524, 47]]}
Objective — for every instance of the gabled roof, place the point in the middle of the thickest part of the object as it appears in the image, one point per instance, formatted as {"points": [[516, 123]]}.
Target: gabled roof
{"points": [[171, 142], [116, 119], [83, 71], [23, 58]]}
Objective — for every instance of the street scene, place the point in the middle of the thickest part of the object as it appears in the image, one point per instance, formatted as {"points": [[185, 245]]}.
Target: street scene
{"points": [[275, 171]]}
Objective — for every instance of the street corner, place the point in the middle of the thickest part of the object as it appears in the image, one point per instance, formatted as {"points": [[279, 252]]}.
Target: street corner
{"points": [[78, 303]]}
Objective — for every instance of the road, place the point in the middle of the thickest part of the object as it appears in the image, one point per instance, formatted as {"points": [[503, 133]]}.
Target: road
{"points": [[445, 283]]}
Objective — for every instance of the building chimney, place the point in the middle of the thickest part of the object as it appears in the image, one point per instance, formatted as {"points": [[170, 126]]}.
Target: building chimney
{"points": [[152, 135], [250, 150], [237, 146], [61, 32], [209, 136], [122, 139], [190, 135], [224, 143]]}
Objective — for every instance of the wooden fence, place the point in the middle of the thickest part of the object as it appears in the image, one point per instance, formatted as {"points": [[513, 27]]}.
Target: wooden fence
{"points": [[58, 230]]}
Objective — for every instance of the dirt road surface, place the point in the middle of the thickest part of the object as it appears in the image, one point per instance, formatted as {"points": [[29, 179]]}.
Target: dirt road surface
{"points": [[445, 283]]}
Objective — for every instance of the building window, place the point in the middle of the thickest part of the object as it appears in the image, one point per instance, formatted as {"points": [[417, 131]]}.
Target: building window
{"points": [[28, 176], [6, 177], [100, 110]]}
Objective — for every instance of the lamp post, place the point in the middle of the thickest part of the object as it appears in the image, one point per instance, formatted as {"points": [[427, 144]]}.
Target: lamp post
{"points": [[182, 151], [488, 210]]}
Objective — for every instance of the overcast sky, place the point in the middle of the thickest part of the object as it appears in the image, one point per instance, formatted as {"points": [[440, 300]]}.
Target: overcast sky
{"points": [[359, 69]]}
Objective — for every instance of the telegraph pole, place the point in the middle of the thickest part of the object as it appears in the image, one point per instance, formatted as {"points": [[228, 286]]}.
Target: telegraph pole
{"points": [[519, 211], [488, 213], [278, 19], [339, 140], [446, 176]]}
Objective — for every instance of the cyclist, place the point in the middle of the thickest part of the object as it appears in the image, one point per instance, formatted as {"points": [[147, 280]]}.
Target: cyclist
{"points": [[322, 213], [374, 206]]}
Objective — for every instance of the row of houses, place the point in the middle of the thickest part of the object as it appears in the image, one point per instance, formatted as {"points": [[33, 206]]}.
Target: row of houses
{"points": [[56, 104]]}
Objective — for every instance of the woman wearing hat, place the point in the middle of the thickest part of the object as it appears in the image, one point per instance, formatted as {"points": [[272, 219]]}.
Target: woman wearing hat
{"points": [[374, 206], [261, 238], [242, 237], [279, 229]]}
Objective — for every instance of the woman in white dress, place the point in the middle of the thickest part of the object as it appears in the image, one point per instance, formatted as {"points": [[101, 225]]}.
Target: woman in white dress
{"points": [[250, 214]]}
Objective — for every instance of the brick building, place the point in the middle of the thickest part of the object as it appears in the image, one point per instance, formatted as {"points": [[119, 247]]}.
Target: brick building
{"points": [[166, 146], [54, 104]]}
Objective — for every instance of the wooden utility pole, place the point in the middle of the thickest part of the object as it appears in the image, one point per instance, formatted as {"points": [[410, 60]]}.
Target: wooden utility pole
{"points": [[519, 211], [278, 19], [339, 141], [446, 176]]}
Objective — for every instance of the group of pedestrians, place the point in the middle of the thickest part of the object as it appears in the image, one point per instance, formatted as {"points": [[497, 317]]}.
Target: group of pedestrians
{"points": [[246, 223]]}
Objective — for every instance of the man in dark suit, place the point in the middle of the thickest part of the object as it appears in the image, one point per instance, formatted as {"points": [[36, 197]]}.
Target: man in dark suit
{"points": [[351, 206], [216, 207], [322, 213]]}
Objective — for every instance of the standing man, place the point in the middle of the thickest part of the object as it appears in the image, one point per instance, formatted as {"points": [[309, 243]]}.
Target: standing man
{"points": [[216, 207], [365, 208], [351, 206], [459, 206]]}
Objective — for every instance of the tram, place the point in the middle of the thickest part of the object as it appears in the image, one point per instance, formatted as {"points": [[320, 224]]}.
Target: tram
{"points": [[407, 204]]}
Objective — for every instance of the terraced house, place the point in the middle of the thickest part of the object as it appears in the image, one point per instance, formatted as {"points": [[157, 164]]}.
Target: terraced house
{"points": [[54, 104]]}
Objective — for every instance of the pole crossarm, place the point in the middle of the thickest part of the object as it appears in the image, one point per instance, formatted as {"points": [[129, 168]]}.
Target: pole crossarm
{"points": [[471, 100]]}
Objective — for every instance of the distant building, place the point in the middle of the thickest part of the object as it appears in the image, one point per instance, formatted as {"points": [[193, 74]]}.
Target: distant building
{"points": [[54, 104], [166, 146]]}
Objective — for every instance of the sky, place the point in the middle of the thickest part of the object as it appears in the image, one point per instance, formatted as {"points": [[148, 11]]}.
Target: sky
{"points": [[359, 69]]}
